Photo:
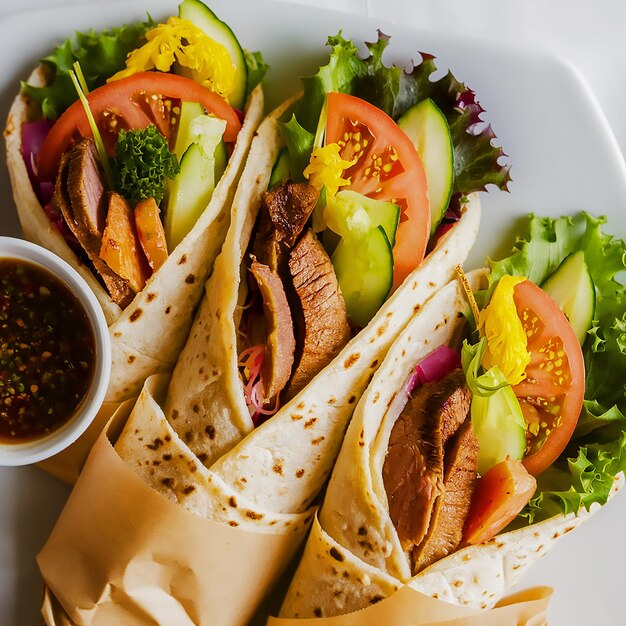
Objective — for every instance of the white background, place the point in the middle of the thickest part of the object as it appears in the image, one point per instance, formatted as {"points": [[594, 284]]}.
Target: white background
{"points": [[591, 35]]}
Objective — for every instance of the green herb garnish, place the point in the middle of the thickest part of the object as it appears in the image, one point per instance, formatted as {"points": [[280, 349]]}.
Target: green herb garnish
{"points": [[142, 164]]}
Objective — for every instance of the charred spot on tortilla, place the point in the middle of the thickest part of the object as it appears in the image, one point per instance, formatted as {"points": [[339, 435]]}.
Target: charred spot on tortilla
{"points": [[151, 296], [174, 414], [351, 399], [188, 489], [156, 444], [167, 457], [135, 315], [232, 523], [195, 408], [278, 466], [362, 531], [295, 417], [182, 260], [190, 279], [336, 554], [310, 422], [210, 431], [253, 515], [317, 611], [232, 502], [351, 360], [299, 473], [318, 440], [168, 482], [131, 358]]}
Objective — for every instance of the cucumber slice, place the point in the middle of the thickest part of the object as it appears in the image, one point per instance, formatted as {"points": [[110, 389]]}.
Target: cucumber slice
{"points": [[188, 194], [498, 423], [364, 269], [427, 127], [198, 13], [188, 111], [280, 171], [220, 156], [385, 214], [572, 288]]}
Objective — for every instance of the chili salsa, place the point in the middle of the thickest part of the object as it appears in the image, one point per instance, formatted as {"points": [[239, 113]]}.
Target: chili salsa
{"points": [[47, 349]]}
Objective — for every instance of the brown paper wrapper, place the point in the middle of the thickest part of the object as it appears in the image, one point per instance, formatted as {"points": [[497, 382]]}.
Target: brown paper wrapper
{"points": [[122, 554], [66, 465], [407, 607]]}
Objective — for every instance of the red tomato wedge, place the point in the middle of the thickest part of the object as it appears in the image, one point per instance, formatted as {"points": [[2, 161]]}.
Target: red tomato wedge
{"points": [[131, 103], [499, 496], [388, 168], [551, 395]]}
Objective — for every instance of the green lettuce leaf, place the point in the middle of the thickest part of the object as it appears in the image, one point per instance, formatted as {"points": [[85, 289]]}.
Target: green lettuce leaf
{"points": [[299, 144], [597, 452], [395, 90], [100, 56], [257, 68]]}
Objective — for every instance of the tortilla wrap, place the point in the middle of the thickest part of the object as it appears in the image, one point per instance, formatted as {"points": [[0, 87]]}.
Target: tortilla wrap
{"points": [[206, 404], [353, 557], [147, 336]]}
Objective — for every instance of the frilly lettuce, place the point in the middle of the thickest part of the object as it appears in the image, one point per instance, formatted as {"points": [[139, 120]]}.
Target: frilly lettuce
{"points": [[395, 90], [100, 55], [597, 452]]}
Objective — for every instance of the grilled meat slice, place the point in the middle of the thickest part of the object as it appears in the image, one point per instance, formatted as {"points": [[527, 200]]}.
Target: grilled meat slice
{"points": [[326, 326], [283, 215], [78, 215], [86, 188], [280, 343], [451, 510], [414, 470]]}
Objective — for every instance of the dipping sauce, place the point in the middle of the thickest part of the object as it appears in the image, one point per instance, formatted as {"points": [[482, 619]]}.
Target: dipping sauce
{"points": [[47, 352]]}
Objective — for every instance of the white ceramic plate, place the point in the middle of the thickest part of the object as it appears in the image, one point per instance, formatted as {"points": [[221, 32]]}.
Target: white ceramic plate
{"points": [[564, 158]]}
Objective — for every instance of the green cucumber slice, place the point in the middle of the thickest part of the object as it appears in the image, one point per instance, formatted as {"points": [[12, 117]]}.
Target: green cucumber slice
{"points": [[572, 288], [188, 194], [280, 171], [427, 127], [198, 13], [188, 112], [364, 269], [498, 423], [385, 214]]}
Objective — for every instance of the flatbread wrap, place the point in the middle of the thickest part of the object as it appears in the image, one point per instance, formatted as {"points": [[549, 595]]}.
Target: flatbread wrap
{"points": [[453, 480], [285, 299], [147, 270]]}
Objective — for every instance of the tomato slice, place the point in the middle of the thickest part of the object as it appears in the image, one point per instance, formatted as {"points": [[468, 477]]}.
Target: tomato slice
{"points": [[387, 168], [131, 103], [499, 496], [551, 395]]}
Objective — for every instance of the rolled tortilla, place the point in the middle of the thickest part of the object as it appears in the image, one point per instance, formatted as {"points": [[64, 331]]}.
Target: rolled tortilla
{"points": [[147, 336], [206, 403], [353, 557]]}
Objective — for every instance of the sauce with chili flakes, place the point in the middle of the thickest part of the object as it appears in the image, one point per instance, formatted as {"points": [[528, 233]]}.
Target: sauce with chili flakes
{"points": [[47, 349]]}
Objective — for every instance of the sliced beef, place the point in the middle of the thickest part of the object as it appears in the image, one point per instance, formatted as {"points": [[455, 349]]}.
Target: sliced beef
{"points": [[283, 215], [81, 208], [414, 472], [326, 325], [86, 188], [451, 510], [280, 343]]}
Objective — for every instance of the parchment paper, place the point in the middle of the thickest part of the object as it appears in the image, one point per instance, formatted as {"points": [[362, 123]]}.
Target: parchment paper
{"points": [[122, 554], [407, 607]]}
